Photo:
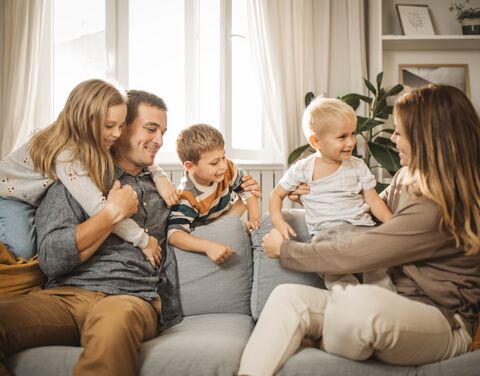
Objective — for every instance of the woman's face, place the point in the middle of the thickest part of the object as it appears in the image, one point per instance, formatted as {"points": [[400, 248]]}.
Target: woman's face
{"points": [[403, 145], [114, 124]]}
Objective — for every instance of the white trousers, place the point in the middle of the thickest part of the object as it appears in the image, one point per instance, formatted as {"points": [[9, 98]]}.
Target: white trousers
{"points": [[356, 323]]}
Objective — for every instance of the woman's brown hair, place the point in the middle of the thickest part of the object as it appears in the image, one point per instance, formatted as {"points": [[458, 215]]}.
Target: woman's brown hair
{"points": [[443, 129]]}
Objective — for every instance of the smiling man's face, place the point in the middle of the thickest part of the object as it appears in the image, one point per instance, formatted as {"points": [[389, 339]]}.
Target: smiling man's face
{"points": [[139, 144]]}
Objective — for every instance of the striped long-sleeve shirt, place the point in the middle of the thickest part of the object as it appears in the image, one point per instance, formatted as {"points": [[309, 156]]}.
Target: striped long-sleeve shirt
{"points": [[199, 204]]}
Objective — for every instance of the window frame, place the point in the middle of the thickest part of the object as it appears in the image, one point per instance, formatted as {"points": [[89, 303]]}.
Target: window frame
{"points": [[117, 70]]}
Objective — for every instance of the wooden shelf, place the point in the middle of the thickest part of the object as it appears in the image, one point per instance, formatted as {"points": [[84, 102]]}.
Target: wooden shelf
{"points": [[431, 42]]}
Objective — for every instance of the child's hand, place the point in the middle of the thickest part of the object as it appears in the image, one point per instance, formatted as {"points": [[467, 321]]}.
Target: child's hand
{"points": [[122, 201], [253, 224], [167, 190], [285, 230], [153, 252], [219, 253]]}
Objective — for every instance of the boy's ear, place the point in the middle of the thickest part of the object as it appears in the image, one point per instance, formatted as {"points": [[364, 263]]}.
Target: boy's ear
{"points": [[188, 165], [313, 141]]}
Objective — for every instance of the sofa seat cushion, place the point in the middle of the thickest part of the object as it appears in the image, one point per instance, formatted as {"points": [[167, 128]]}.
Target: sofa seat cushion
{"points": [[314, 362], [199, 345], [269, 273], [206, 287]]}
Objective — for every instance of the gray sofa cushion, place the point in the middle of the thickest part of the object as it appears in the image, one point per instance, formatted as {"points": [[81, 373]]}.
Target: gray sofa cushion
{"points": [[206, 287], [314, 362], [268, 273], [199, 345]]}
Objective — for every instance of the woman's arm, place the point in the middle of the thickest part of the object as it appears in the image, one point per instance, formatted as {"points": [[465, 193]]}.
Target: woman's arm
{"points": [[411, 234]]}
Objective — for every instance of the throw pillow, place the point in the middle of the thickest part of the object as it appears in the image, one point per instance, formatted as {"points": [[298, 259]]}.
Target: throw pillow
{"points": [[206, 287], [269, 273]]}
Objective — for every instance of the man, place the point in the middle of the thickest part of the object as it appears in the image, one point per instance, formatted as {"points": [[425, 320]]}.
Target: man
{"points": [[101, 292]]}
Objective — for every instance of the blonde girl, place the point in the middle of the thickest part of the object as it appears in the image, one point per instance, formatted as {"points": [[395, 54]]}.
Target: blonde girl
{"points": [[430, 245], [76, 150]]}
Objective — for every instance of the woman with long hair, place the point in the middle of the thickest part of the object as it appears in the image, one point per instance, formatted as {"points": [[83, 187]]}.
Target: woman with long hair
{"points": [[430, 245]]}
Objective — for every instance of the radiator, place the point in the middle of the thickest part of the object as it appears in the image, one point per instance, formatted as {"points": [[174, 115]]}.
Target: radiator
{"points": [[266, 175]]}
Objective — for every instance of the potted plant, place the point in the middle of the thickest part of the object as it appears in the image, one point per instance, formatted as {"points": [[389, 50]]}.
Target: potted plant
{"points": [[468, 16], [378, 147]]}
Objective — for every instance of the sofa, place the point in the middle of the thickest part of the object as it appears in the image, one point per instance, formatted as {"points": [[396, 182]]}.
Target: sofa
{"points": [[220, 305]]}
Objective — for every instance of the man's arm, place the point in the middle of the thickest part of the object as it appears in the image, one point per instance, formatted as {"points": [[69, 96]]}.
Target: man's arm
{"points": [[66, 238]]}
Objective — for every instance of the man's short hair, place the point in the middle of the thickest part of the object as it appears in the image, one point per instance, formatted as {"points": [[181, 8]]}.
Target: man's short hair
{"points": [[323, 111], [138, 97], [197, 139]]}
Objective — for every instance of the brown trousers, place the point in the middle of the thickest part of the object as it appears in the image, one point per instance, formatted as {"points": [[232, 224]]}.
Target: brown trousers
{"points": [[110, 328]]}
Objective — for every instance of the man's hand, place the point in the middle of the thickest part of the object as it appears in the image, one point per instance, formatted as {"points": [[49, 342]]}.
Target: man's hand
{"points": [[284, 229], [302, 189], [271, 243], [153, 252], [250, 185], [122, 202], [219, 253], [167, 190]]}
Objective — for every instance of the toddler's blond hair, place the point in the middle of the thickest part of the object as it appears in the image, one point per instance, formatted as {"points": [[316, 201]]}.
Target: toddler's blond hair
{"points": [[323, 111]]}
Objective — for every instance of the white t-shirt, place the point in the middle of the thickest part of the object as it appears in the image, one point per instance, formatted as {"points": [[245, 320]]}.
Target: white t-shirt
{"points": [[334, 199]]}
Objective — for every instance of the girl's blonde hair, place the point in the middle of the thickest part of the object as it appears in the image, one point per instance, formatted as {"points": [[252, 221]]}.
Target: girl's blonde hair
{"points": [[443, 129], [79, 127]]}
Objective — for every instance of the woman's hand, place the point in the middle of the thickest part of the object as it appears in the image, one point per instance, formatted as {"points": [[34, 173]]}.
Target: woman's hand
{"points": [[271, 243], [302, 189]]}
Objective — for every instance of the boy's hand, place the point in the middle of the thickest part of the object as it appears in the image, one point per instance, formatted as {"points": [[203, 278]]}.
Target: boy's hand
{"points": [[167, 190], [219, 253], [253, 224], [122, 201], [285, 230], [250, 185], [153, 252]]}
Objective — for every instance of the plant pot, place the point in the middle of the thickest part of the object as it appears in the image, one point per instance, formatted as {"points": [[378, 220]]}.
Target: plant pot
{"points": [[471, 26]]}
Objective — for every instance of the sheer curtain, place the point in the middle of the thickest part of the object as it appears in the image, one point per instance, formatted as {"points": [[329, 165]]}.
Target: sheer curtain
{"points": [[22, 27], [300, 46]]}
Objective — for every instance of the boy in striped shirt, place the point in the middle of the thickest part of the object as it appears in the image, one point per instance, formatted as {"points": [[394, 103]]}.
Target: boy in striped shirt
{"points": [[210, 188]]}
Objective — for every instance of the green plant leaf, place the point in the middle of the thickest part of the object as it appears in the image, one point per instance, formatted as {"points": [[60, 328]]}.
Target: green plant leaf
{"points": [[379, 80], [308, 98], [386, 156], [388, 130], [384, 141], [365, 124], [295, 154], [395, 90], [370, 86], [380, 187], [352, 100]]}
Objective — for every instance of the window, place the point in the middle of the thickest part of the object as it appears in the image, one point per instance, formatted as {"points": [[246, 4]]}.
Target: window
{"points": [[194, 54], [78, 45]]}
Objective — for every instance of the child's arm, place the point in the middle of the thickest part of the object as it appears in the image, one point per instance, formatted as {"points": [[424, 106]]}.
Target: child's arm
{"points": [[165, 187], [253, 210], [377, 206], [218, 253], [275, 208], [88, 195]]}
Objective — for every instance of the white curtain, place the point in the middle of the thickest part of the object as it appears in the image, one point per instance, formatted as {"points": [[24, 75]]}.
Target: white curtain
{"points": [[23, 27], [300, 46]]}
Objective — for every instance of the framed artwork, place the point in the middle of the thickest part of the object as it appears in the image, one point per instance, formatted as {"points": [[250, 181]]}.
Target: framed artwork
{"points": [[415, 75], [415, 19]]}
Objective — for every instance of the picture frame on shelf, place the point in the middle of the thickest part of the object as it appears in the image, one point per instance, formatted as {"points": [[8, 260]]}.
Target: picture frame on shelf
{"points": [[416, 75], [415, 19]]}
